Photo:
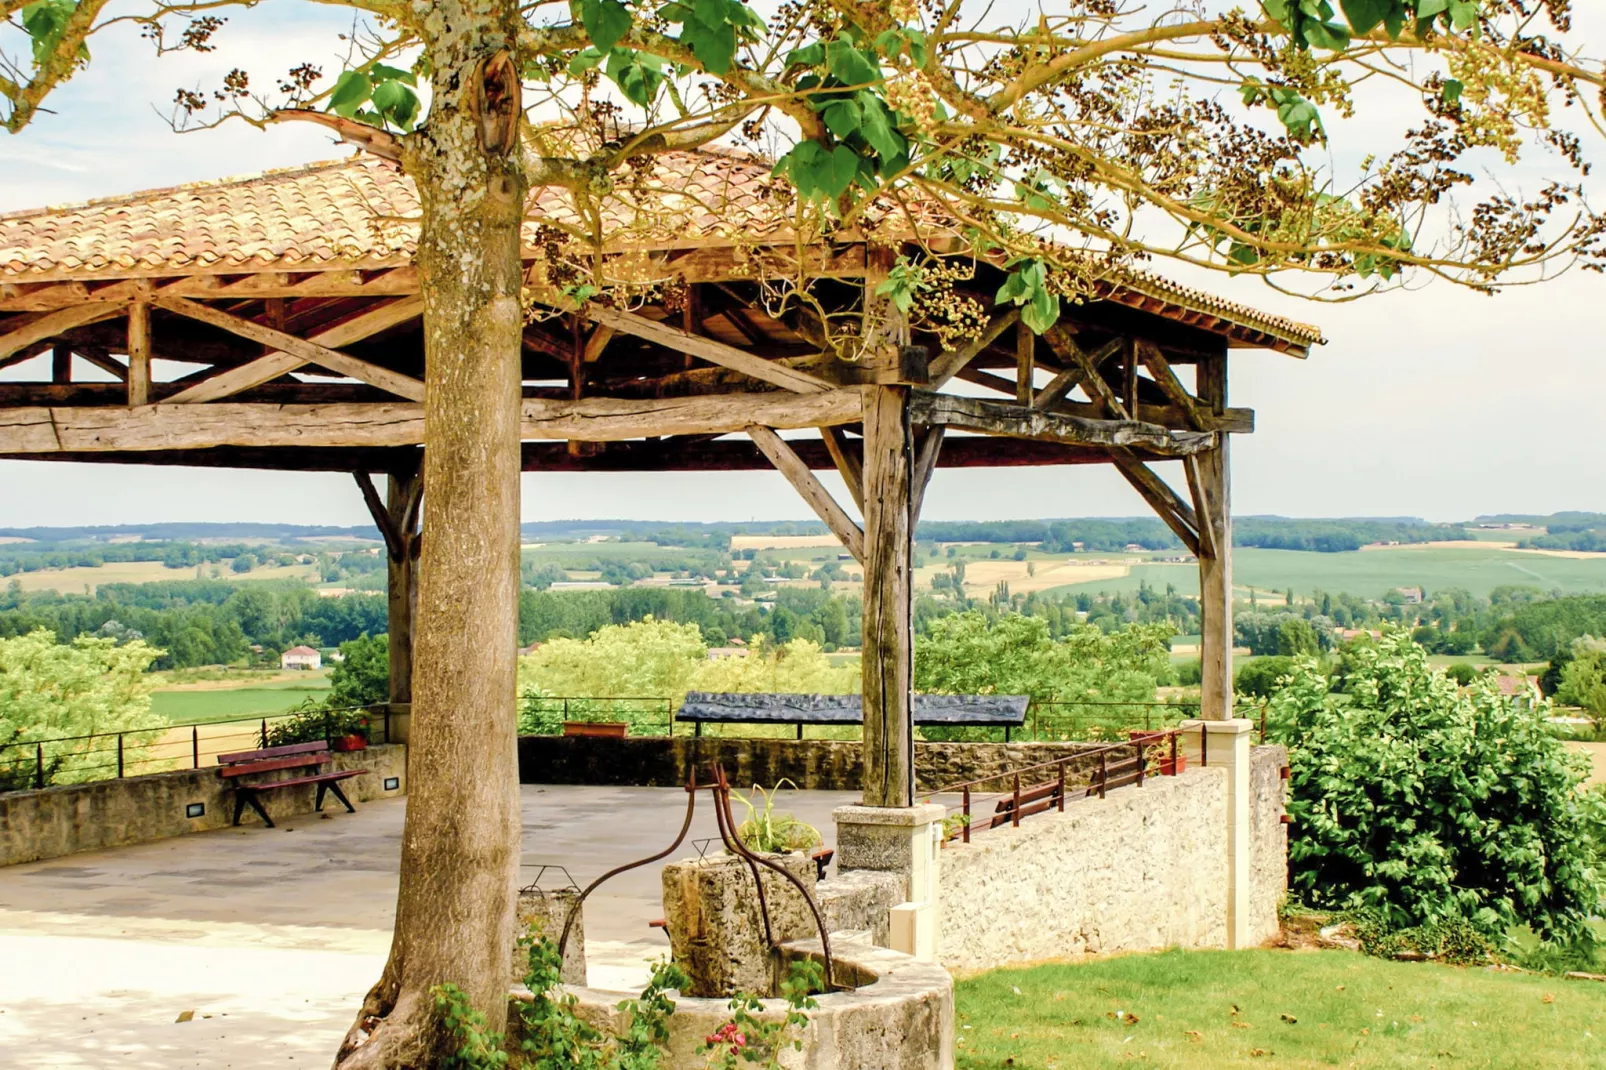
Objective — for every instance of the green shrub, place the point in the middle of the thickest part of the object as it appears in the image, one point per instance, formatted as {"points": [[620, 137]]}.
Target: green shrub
{"points": [[1462, 673], [1259, 677], [313, 720], [1424, 803], [362, 676]]}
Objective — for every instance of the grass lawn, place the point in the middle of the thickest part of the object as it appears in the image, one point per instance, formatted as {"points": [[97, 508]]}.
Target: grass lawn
{"points": [[1205, 1009], [222, 703]]}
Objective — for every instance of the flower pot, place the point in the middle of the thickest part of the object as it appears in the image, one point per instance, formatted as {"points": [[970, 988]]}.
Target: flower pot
{"points": [[602, 729], [349, 743], [1172, 766]]}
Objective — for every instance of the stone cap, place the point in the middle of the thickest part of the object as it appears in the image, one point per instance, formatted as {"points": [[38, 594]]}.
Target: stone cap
{"points": [[1232, 726], [898, 816]]}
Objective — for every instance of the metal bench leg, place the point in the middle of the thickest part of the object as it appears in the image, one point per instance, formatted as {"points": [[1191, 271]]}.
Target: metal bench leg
{"points": [[249, 798], [335, 789], [317, 802]]}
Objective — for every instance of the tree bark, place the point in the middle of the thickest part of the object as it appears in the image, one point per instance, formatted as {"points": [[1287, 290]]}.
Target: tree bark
{"points": [[460, 843]]}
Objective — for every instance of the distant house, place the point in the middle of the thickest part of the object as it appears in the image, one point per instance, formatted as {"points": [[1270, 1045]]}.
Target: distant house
{"points": [[301, 657], [715, 653], [1412, 595]]}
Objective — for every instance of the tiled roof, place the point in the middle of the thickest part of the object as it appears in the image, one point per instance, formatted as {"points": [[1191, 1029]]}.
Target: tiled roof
{"points": [[360, 212]]}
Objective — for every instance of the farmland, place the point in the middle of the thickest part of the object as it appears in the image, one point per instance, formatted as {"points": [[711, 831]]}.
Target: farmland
{"points": [[84, 579], [251, 695]]}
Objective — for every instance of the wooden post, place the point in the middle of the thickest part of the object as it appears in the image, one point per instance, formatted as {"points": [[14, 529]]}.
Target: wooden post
{"points": [[1025, 363], [1213, 503], [61, 365], [139, 354], [401, 503], [887, 658]]}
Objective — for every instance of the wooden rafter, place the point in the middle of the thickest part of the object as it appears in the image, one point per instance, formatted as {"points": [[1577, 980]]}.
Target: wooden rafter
{"points": [[928, 447], [51, 324], [949, 363], [849, 461], [1020, 421], [289, 346], [265, 369], [1025, 363], [1167, 505], [812, 491], [709, 349], [345, 282], [139, 353], [1168, 382]]}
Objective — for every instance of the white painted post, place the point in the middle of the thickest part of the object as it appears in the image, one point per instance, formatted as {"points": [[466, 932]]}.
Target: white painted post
{"points": [[1227, 747]]}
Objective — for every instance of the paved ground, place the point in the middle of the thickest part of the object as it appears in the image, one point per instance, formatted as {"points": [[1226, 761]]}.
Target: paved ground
{"points": [[271, 936]]}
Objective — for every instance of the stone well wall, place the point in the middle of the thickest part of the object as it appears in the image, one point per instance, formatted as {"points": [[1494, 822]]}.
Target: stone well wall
{"points": [[51, 822], [811, 764], [1144, 868]]}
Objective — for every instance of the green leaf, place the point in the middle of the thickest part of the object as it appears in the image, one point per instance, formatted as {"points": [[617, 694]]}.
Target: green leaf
{"points": [[606, 21], [878, 128], [808, 56], [351, 92], [1365, 15], [1452, 90], [1426, 9], [842, 118], [1041, 312], [397, 103], [46, 23], [850, 66], [584, 61], [380, 72], [843, 167], [1328, 35]]}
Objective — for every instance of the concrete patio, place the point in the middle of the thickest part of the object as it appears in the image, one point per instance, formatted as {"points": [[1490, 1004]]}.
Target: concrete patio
{"points": [[271, 937]]}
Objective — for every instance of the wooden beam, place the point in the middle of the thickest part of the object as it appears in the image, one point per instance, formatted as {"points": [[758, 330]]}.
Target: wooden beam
{"points": [[139, 353], [1025, 363], [1212, 482], [928, 447], [780, 454], [715, 352], [180, 427], [265, 369], [1019, 421], [1082, 368], [105, 362], [61, 364], [52, 324], [308, 352], [1168, 382], [596, 342], [849, 462], [947, 364], [1176, 513], [396, 282], [887, 662]]}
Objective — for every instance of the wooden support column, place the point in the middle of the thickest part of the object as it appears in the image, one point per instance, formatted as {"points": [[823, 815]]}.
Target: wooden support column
{"points": [[61, 364], [1210, 480], [139, 353], [888, 655], [397, 520]]}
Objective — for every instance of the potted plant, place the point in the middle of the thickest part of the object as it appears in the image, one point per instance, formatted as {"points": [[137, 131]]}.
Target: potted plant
{"points": [[1169, 766], [352, 727]]}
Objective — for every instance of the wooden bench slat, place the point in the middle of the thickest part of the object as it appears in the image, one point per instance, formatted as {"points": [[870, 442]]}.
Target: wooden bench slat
{"points": [[273, 752], [293, 762], [321, 778], [1029, 795]]}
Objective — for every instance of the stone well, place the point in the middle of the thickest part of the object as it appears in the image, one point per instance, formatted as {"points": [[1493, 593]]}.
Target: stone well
{"points": [[900, 1015]]}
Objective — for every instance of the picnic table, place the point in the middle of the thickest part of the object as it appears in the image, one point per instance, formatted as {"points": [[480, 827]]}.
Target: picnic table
{"points": [[274, 759]]}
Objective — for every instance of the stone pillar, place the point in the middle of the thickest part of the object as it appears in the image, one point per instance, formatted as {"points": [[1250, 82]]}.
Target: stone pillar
{"points": [[1225, 745], [544, 912], [903, 840]]}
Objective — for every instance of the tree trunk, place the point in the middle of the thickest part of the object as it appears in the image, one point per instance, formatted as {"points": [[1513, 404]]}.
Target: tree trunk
{"points": [[460, 843]]}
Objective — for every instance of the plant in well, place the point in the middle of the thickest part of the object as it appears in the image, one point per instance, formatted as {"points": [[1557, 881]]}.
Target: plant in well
{"points": [[751, 1041], [766, 831], [1425, 803]]}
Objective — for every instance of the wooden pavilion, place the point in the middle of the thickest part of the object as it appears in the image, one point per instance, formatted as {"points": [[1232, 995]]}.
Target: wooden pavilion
{"points": [[293, 298]]}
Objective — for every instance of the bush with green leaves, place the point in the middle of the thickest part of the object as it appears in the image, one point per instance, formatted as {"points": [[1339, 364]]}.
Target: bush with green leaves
{"points": [[362, 675], [314, 720], [1424, 803], [1261, 677]]}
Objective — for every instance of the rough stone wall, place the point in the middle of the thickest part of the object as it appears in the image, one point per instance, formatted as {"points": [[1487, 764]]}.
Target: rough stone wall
{"points": [[52, 822], [861, 901], [811, 764], [716, 933], [544, 913], [1144, 868], [1268, 840]]}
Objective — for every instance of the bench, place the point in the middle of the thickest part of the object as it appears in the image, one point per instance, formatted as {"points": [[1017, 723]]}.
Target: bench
{"points": [[272, 759], [973, 711]]}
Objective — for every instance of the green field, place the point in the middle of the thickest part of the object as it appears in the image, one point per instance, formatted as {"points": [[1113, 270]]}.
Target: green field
{"points": [[1372, 573], [1205, 1009], [250, 700]]}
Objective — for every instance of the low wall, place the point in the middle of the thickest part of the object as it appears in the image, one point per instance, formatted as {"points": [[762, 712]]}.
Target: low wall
{"points": [[1143, 868], [1268, 841], [811, 764], [52, 822]]}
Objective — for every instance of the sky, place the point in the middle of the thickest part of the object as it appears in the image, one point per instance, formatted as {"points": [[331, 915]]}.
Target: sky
{"points": [[1436, 402]]}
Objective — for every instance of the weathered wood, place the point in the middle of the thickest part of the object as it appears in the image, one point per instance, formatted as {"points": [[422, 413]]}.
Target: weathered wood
{"points": [[52, 324], [397, 519], [1177, 514], [1025, 363], [886, 661], [396, 282], [103, 360], [309, 352], [849, 462], [715, 352], [61, 364], [264, 369], [1083, 368], [139, 353], [179, 427], [1175, 392], [813, 492], [1214, 508], [928, 447], [596, 342], [1019, 421], [947, 364]]}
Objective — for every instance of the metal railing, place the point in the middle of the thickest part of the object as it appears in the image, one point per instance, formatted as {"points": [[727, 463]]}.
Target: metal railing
{"points": [[1096, 770], [546, 715], [82, 759]]}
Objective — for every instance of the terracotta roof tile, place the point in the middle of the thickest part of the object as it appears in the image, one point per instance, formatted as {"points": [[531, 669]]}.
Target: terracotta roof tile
{"points": [[360, 212]]}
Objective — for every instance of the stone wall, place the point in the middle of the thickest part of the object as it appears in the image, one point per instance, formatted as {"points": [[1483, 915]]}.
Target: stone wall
{"points": [[1144, 868], [52, 822], [811, 764], [1268, 841]]}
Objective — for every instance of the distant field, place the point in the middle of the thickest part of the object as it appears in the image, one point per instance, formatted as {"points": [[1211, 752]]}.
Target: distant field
{"points": [[75, 580], [252, 698], [984, 575], [1477, 569], [781, 542]]}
